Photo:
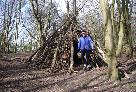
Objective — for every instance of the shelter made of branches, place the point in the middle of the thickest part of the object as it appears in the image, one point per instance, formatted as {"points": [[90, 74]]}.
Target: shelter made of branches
{"points": [[60, 43]]}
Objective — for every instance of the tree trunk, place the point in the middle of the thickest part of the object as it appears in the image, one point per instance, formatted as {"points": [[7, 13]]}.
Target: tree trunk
{"points": [[109, 42], [38, 22], [121, 36], [71, 58], [128, 28]]}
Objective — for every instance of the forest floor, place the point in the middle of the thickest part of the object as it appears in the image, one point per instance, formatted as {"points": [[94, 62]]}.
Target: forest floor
{"points": [[16, 77]]}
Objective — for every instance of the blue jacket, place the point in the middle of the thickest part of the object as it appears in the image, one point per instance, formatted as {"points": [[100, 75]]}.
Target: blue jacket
{"points": [[85, 43]]}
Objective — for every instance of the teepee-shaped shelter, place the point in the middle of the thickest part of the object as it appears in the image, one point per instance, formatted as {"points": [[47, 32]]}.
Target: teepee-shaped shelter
{"points": [[58, 51]]}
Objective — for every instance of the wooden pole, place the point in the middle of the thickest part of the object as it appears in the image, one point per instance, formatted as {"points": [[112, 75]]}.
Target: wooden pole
{"points": [[74, 7], [68, 7]]}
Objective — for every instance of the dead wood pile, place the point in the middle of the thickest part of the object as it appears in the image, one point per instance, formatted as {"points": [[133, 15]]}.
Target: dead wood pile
{"points": [[56, 50]]}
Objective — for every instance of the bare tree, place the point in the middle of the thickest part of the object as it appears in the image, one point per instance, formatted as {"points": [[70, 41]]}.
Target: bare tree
{"points": [[109, 41]]}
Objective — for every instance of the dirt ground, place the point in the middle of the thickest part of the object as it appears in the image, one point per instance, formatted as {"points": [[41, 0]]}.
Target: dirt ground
{"points": [[16, 77]]}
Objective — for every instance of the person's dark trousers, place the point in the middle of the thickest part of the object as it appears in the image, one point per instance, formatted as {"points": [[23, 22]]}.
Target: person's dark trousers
{"points": [[88, 59]]}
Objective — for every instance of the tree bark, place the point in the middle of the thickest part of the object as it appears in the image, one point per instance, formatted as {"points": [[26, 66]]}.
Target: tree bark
{"points": [[121, 36], [109, 42]]}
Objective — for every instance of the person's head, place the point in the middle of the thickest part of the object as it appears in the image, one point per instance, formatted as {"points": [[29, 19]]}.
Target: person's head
{"points": [[84, 33]]}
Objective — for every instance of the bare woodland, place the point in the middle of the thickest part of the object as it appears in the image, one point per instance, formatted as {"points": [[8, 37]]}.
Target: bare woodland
{"points": [[38, 41]]}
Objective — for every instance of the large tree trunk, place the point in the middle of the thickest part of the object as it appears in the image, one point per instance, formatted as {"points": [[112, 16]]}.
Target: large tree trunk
{"points": [[109, 43], [121, 37]]}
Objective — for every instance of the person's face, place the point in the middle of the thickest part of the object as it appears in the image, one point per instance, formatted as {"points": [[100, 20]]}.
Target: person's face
{"points": [[84, 34], [87, 33]]}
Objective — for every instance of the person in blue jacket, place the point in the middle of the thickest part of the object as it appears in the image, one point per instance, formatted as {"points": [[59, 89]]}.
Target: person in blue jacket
{"points": [[85, 45]]}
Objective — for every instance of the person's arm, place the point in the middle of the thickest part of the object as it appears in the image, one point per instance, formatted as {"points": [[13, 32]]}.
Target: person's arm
{"points": [[91, 43]]}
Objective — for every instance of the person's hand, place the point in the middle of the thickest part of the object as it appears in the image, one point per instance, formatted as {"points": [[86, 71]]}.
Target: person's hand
{"points": [[79, 54]]}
